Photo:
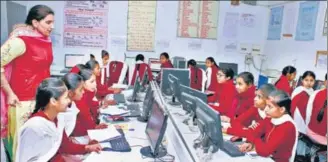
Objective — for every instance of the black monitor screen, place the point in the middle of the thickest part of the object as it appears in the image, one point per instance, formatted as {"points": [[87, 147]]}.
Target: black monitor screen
{"points": [[155, 125]]}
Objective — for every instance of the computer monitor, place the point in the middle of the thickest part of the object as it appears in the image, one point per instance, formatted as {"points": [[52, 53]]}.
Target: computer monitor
{"points": [[194, 92], [136, 89], [155, 131], [154, 64], [147, 105], [181, 74], [209, 123], [188, 103], [202, 65], [174, 83], [179, 62], [73, 59], [319, 84], [233, 66]]}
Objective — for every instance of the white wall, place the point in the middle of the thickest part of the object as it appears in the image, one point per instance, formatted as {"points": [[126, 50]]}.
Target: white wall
{"points": [[301, 54], [166, 29]]}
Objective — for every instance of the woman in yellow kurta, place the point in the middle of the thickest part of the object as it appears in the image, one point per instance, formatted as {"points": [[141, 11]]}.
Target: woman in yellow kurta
{"points": [[25, 61]]}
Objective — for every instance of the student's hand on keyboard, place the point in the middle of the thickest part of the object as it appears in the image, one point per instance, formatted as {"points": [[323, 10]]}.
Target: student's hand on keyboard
{"points": [[93, 148], [101, 126], [253, 126], [246, 147]]}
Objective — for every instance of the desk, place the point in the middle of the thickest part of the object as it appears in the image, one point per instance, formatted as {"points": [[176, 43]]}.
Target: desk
{"points": [[136, 139]]}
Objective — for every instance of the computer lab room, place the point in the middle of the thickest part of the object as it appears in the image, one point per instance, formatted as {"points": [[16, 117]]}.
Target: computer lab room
{"points": [[164, 81]]}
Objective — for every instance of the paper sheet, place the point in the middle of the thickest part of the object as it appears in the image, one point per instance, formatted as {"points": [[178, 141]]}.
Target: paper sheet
{"points": [[289, 22], [112, 110], [230, 28], [307, 20], [103, 134], [275, 24], [122, 86]]}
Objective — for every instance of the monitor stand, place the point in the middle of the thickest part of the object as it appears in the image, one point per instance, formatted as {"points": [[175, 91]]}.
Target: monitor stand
{"points": [[142, 119], [174, 102], [147, 152]]}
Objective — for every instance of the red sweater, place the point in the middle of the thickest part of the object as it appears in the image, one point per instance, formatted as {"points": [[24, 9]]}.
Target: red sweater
{"points": [[167, 64], [67, 146], [318, 103], [196, 82], [102, 89], [278, 139], [141, 69], [242, 102], [244, 120], [31, 68], [214, 82], [224, 95], [283, 84], [300, 101], [85, 119]]}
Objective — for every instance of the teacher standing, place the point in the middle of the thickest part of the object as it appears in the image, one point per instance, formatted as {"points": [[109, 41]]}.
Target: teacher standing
{"points": [[25, 61]]}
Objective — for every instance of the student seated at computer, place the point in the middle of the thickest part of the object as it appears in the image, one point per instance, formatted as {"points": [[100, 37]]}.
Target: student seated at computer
{"points": [[44, 136], [244, 98], [102, 90], [316, 116], [165, 63], [140, 68], [288, 75], [300, 97], [196, 75], [225, 92], [252, 117], [87, 117], [211, 71], [276, 135]]}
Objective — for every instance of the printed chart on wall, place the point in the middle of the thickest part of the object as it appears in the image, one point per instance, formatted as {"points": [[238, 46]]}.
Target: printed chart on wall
{"points": [[307, 19], [85, 24], [141, 26], [198, 19], [275, 23]]}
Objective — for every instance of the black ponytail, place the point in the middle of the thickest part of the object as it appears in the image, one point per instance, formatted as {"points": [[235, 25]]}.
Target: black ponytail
{"points": [[85, 74], [72, 80], [91, 64], [49, 88], [211, 59]]}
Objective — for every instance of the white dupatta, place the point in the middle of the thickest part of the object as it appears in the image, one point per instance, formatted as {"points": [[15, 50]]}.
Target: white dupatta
{"points": [[69, 118], [281, 120], [39, 140], [208, 77], [102, 81], [299, 121]]}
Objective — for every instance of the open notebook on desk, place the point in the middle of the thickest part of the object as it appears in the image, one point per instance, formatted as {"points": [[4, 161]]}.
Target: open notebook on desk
{"points": [[103, 134]]}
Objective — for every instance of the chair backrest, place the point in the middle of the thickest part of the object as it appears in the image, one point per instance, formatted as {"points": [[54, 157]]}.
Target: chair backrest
{"points": [[118, 72]]}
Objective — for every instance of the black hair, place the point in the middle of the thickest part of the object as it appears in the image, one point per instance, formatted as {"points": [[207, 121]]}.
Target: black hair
{"points": [[247, 77], [166, 55], [72, 80], [322, 112], [308, 73], [282, 99], [211, 59], [192, 62], [92, 56], [104, 53], [266, 89], [48, 88], [85, 74], [326, 76], [228, 72], [38, 12], [91, 64], [288, 70], [140, 57], [81, 66]]}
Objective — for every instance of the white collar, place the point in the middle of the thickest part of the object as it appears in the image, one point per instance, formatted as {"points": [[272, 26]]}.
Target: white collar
{"points": [[282, 119], [261, 113], [139, 62]]}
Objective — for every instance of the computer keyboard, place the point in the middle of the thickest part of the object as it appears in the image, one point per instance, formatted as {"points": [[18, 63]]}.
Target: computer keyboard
{"points": [[134, 110], [119, 144], [231, 149]]}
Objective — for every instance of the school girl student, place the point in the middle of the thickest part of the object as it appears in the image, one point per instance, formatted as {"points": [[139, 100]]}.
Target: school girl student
{"points": [[252, 117], [300, 97], [276, 135], [225, 92], [141, 68], [196, 75], [288, 75], [165, 63], [211, 71], [43, 135], [244, 98]]}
